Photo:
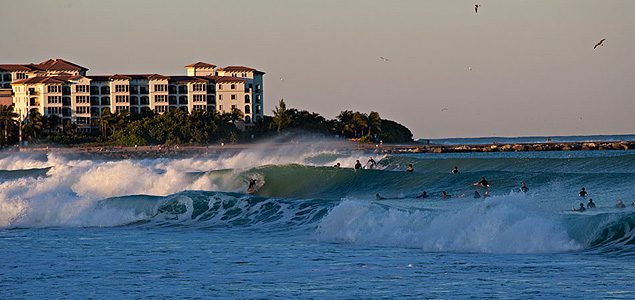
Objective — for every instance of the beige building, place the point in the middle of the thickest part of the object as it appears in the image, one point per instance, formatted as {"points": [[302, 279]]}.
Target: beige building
{"points": [[61, 88]]}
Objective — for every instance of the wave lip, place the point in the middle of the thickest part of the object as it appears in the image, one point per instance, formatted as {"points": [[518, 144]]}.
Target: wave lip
{"points": [[487, 227]]}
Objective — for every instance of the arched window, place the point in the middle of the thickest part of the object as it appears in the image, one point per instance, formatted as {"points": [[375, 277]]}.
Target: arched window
{"points": [[247, 99], [247, 119], [105, 90], [258, 109], [105, 100], [247, 109]]}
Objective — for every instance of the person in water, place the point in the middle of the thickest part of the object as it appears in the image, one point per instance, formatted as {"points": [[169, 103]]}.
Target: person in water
{"points": [[424, 195], [590, 204], [358, 165], [371, 163], [523, 188], [486, 194], [483, 182], [620, 204], [379, 197], [580, 209], [583, 193], [252, 185], [456, 170], [476, 195], [446, 196], [337, 165], [410, 168]]}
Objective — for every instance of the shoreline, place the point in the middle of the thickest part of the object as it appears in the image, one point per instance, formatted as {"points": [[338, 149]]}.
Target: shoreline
{"points": [[181, 151]]}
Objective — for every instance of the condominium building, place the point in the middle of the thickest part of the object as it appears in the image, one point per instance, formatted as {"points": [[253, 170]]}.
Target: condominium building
{"points": [[58, 87]]}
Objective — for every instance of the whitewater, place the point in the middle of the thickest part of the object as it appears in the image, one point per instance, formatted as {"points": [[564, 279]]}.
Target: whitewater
{"points": [[186, 228]]}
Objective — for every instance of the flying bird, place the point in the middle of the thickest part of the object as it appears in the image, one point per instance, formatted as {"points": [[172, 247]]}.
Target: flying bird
{"points": [[281, 79], [444, 109], [469, 68], [476, 6], [384, 59], [600, 43]]}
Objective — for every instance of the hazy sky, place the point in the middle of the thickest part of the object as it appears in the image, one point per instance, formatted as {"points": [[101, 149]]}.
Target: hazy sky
{"points": [[534, 69]]}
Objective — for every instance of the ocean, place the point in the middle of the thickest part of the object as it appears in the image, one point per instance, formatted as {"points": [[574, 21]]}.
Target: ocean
{"points": [[157, 228]]}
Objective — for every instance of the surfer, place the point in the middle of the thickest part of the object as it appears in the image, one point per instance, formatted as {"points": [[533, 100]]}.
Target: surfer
{"points": [[371, 163], [456, 170], [410, 168], [379, 197], [580, 209], [486, 194], [524, 188], [583, 193], [337, 165], [358, 165], [252, 186], [620, 204], [476, 195], [424, 195], [483, 182], [446, 196], [590, 204]]}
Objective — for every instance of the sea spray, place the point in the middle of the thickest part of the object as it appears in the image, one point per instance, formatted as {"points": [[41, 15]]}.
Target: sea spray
{"points": [[493, 226]]}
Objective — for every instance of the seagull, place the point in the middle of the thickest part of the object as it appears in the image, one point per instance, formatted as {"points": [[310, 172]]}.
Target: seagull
{"points": [[600, 43], [469, 68], [476, 6], [384, 59], [281, 79], [444, 109]]}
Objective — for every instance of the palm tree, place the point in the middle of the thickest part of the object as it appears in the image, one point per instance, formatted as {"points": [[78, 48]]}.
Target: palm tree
{"points": [[359, 121], [34, 124], [373, 122], [235, 114], [7, 116], [345, 119]]}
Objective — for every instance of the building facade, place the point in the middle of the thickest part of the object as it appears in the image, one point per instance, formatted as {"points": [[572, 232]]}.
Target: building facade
{"points": [[61, 88]]}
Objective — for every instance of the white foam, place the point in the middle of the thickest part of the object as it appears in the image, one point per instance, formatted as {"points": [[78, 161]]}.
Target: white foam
{"points": [[493, 226]]}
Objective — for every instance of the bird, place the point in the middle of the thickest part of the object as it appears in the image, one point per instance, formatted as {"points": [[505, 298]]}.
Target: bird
{"points": [[469, 68], [600, 43], [384, 59], [443, 109], [281, 79], [476, 6]]}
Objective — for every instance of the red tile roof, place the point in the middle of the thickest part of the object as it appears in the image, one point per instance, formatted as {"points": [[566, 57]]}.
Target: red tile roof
{"points": [[59, 64], [14, 67], [119, 77], [201, 64], [240, 69], [187, 79], [42, 79], [223, 78]]}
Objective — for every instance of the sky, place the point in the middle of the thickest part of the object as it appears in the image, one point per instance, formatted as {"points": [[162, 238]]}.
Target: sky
{"points": [[534, 69]]}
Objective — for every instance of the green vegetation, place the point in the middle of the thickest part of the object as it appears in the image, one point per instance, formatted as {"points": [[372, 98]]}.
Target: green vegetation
{"points": [[199, 127]]}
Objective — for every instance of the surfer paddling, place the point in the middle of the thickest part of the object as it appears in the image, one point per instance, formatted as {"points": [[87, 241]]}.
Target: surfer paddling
{"points": [[483, 182]]}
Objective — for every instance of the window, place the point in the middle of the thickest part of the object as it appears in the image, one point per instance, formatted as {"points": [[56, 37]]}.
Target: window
{"points": [[81, 99], [199, 107], [121, 108], [54, 110], [143, 90], [105, 100], [20, 75], [220, 86], [94, 100], [7, 77], [233, 107], [233, 97], [54, 89], [246, 98], [122, 99], [81, 89], [233, 87], [144, 100], [81, 110], [161, 109], [220, 97], [160, 87], [54, 99], [160, 98], [121, 88], [82, 120], [247, 119], [199, 98], [105, 90], [198, 87], [211, 100], [183, 100], [134, 100], [257, 109], [257, 98], [247, 109]]}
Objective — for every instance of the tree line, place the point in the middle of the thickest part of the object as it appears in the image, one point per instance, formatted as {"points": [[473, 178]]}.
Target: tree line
{"points": [[198, 127]]}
